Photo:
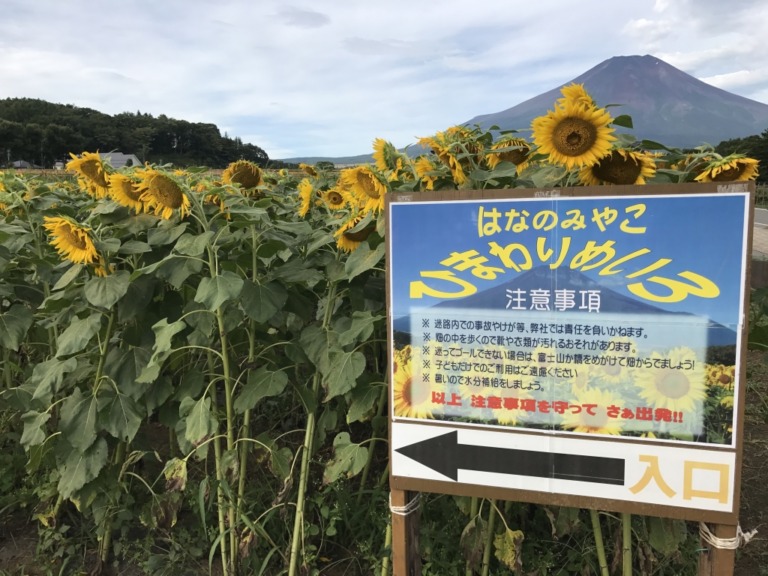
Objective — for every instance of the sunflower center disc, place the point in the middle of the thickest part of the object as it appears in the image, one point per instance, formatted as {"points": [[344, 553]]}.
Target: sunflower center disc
{"points": [[360, 235], [335, 199], [91, 170], [367, 185], [73, 239], [514, 156], [574, 136], [728, 175], [166, 192], [617, 169], [416, 394], [673, 385]]}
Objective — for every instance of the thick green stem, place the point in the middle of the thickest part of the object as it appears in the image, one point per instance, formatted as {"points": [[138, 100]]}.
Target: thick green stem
{"points": [[223, 545], [599, 546], [474, 506], [306, 455], [245, 431], [106, 536], [230, 415], [489, 539], [387, 551], [104, 350], [626, 544], [382, 401]]}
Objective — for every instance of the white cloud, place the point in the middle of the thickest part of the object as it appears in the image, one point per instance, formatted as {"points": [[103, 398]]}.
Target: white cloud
{"points": [[326, 78]]}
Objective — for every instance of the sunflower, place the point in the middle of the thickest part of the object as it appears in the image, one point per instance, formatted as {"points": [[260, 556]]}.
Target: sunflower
{"points": [[673, 387], [455, 147], [593, 417], [509, 149], [575, 93], [71, 240], [91, 174], [425, 170], [574, 135], [347, 238], [308, 170], [102, 270], [721, 375], [411, 398], [243, 172], [305, 190], [365, 186], [335, 199], [162, 194], [731, 168], [388, 158], [620, 166], [125, 192]]}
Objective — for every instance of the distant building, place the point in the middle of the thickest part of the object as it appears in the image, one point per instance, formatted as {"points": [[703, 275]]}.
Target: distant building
{"points": [[119, 160], [22, 164]]}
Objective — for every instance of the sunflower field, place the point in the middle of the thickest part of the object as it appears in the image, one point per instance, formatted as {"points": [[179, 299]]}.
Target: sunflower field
{"points": [[193, 363]]}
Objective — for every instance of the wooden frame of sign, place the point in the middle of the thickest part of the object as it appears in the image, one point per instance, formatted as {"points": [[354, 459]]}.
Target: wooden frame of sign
{"points": [[484, 404]]}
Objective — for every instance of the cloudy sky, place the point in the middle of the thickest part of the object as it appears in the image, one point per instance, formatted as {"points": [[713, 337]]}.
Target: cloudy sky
{"points": [[326, 77]]}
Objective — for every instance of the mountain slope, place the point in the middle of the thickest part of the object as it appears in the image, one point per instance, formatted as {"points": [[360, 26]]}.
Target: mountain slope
{"points": [[666, 104]]}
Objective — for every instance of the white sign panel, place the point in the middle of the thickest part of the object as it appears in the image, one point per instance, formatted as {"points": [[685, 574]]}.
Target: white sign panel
{"points": [[640, 473]]}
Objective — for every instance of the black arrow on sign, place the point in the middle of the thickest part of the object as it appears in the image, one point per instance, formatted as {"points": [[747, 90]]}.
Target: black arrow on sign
{"points": [[445, 455]]}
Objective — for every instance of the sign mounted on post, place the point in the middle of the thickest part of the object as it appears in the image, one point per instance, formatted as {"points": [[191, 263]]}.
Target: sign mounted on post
{"points": [[580, 347]]}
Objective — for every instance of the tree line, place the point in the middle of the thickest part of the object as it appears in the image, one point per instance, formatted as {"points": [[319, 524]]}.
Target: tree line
{"points": [[42, 133]]}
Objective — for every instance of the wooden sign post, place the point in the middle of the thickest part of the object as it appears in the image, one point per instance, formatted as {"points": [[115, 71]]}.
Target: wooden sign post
{"points": [[560, 347]]}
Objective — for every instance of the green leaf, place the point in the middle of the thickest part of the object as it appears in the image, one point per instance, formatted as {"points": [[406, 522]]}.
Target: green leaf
{"points": [[164, 334], [193, 244], [175, 473], [79, 333], [68, 276], [134, 247], [213, 292], [298, 270], [318, 344], [362, 406], [137, 298], [280, 462], [47, 377], [348, 459], [119, 414], [78, 419], [191, 385], [106, 291], [14, 325], [623, 120], [165, 234], [262, 383], [200, 422], [34, 428], [124, 365], [81, 467], [261, 301], [342, 377], [176, 270], [508, 548], [358, 328], [363, 258], [307, 398], [665, 534]]}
